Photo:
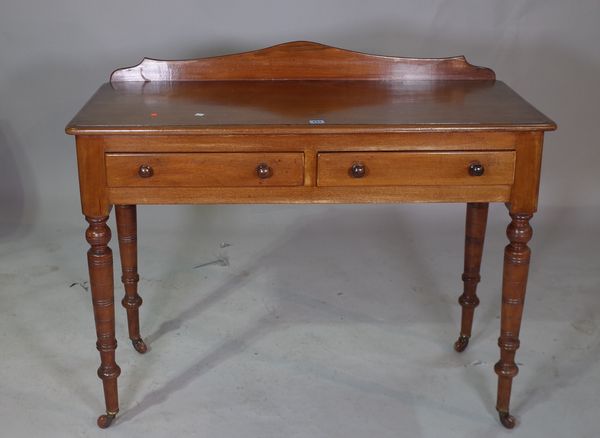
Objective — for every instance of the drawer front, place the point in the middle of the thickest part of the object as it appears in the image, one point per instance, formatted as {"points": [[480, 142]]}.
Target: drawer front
{"points": [[415, 168], [205, 169]]}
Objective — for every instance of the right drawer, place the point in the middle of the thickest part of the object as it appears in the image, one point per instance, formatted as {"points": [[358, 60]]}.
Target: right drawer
{"points": [[415, 168]]}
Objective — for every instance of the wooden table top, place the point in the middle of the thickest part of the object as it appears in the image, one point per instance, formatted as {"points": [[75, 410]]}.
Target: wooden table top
{"points": [[305, 106]]}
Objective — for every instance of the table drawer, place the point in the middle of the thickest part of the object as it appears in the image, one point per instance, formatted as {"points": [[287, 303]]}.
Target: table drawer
{"points": [[415, 168], [205, 169]]}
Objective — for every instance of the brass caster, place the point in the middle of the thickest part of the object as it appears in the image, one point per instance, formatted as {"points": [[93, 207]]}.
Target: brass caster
{"points": [[105, 420], [139, 345], [461, 344], [507, 420]]}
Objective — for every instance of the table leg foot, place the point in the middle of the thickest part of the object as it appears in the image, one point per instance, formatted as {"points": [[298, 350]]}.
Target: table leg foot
{"points": [[461, 344], [139, 345], [507, 420], [105, 420]]}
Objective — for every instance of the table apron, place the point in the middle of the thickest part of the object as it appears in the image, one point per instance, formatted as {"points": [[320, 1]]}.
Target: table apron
{"points": [[308, 195]]}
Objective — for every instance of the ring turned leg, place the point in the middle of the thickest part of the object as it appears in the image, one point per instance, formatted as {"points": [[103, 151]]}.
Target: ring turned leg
{"points": [[514, 282], [127, 234], [100, 264], [477, 214]]}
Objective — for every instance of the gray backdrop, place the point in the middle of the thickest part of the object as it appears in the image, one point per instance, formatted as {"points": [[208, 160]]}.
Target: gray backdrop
{"points": [[53, 55], [291, 354]]}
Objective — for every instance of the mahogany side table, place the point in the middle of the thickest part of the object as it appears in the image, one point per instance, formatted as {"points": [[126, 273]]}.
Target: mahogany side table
{"points": [[307, 123]]}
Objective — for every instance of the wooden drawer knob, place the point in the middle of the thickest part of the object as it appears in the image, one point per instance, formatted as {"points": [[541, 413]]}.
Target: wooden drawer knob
{"points": [[476, 169], [357, 170], [264, 171], [145, 171]]}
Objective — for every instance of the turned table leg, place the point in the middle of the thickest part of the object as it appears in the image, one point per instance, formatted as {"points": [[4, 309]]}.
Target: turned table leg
{"points": [[477, 214], [100, 264], [514, 282], [127, 235]]}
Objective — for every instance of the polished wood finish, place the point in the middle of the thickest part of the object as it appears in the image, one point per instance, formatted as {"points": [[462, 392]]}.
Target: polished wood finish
{"points": [[92, 177], [514, 282], [308, 195], [205, 169], [305, 107], [477, 213], [100, 264], [306, 123], [302, 60], [524, 195], [475, 140], [126, 216], [414, 168]]}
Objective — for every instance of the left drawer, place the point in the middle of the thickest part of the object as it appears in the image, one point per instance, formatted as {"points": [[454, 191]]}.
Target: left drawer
{"points": [[213, 169]]}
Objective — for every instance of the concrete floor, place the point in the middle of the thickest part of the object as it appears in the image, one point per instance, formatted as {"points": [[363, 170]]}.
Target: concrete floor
{"points": [[308, 321]]}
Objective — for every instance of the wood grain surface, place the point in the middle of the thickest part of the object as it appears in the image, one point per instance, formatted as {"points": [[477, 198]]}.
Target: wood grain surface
{"points": [[302, 60], [415, 168], [286, 107], [205, 170], [306, 123]]}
